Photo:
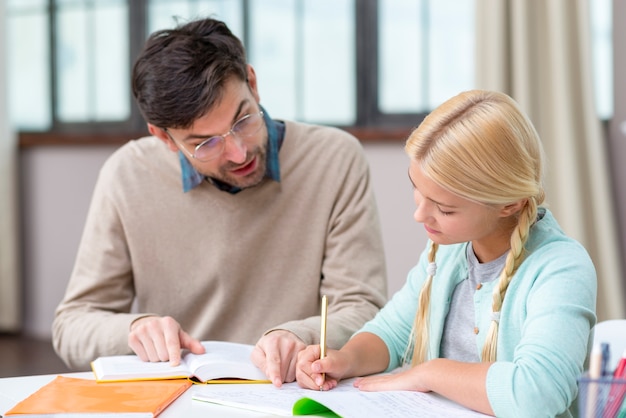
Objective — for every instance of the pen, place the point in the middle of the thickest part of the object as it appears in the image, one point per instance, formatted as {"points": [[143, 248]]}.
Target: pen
{"points": [[323, 331], [606, 355], [595, 371], [617, 391], [621, 367]]}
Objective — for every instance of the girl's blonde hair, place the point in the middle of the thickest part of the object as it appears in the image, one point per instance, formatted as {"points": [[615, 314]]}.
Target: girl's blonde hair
{"points": [[482, 147]]}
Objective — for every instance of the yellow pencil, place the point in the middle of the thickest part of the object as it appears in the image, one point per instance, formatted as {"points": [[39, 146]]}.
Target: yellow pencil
{"points": [[323, 330]]}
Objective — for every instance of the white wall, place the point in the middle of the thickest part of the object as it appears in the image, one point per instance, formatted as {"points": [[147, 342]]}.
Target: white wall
{"points": [[56, 187], [404, 239]]}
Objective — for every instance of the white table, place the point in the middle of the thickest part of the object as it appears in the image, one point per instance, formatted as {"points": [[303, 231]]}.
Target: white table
{"points": [[14, 389]]}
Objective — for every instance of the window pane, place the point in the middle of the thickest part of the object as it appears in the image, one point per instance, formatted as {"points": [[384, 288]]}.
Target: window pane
{"points": [[328, 73], [602, 54], [426, 53], [402, 54], [303, 54], [272, 53], [451, 49], [111, 72], [28, 57], [92, 60]]}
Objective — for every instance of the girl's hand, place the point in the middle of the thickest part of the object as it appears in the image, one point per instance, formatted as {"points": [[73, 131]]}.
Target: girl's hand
{"points": [[405, 380], [324, 374]]}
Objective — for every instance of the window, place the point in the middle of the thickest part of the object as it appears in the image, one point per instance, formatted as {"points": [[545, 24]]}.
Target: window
{"points": [[339, 62], [417, 69], [91, 61], [28, 63], [602, 56]]}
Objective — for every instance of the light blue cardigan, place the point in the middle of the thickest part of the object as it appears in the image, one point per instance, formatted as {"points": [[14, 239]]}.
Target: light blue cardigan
{"points": [[545, 323]]}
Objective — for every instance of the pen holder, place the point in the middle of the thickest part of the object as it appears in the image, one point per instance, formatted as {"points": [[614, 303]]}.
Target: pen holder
{"points": [[601, 398]]}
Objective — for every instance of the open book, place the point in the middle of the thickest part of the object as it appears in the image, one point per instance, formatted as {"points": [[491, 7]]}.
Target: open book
{"points": [[223, 361], [343, 401]]}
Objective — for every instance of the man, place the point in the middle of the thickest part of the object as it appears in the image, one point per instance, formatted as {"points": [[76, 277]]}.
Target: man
{"points": [[270, 215]]}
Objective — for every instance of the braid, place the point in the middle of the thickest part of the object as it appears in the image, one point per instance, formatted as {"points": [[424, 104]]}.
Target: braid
{"points": [[515, 257], [420, 331]]}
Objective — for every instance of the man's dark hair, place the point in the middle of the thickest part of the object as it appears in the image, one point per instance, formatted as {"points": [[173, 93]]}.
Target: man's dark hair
{"points": [[180, 73]]}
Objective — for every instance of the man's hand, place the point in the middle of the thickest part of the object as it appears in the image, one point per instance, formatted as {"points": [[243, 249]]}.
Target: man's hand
{"points": [[276, 354], [155, 338]]}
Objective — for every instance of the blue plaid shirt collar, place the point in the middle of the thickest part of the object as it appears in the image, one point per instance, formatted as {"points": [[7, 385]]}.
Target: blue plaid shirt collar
{"points": [[276, 134]]}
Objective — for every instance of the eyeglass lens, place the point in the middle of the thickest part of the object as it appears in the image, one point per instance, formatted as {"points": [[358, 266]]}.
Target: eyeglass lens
{"points": [[243, 128]]}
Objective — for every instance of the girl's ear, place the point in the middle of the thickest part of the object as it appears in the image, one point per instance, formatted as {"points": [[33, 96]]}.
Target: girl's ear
{"points": [[512, 208], [163, 136]]}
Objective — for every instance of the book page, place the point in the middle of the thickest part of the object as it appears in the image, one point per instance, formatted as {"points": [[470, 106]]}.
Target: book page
{"points": [[345, 400], [120, 368], [221, 360], [390, 404], [263, 398], [224, 360]]}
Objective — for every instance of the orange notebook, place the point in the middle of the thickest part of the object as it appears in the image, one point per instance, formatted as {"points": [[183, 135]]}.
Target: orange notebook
{"points": [[72, 396]]}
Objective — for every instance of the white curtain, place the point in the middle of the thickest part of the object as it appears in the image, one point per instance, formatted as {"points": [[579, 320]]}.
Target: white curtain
{"points": [[538, 52], [9, 264]]}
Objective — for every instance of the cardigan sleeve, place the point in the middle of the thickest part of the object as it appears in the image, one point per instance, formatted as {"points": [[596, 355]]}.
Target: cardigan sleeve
{"points": [[551, 303]]}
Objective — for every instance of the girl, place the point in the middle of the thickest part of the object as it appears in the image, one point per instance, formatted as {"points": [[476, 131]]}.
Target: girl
{"points": [[497, 314]]}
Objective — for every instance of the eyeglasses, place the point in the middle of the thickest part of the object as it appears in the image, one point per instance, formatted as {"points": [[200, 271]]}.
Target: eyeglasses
{"points": [[213, 147]]}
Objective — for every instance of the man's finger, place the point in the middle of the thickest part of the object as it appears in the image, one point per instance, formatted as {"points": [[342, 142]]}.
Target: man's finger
{"points": [[270, 364], [190, 343], [172, 345]]}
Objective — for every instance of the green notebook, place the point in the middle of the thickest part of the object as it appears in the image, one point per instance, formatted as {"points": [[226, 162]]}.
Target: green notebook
{"points": [[308, 406]]}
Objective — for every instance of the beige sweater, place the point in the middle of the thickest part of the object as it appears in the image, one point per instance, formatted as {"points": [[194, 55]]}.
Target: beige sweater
{"points": [[227, 267]]}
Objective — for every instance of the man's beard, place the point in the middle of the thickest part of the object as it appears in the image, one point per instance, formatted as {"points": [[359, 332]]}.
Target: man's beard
{"points": [[224, 175]]}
